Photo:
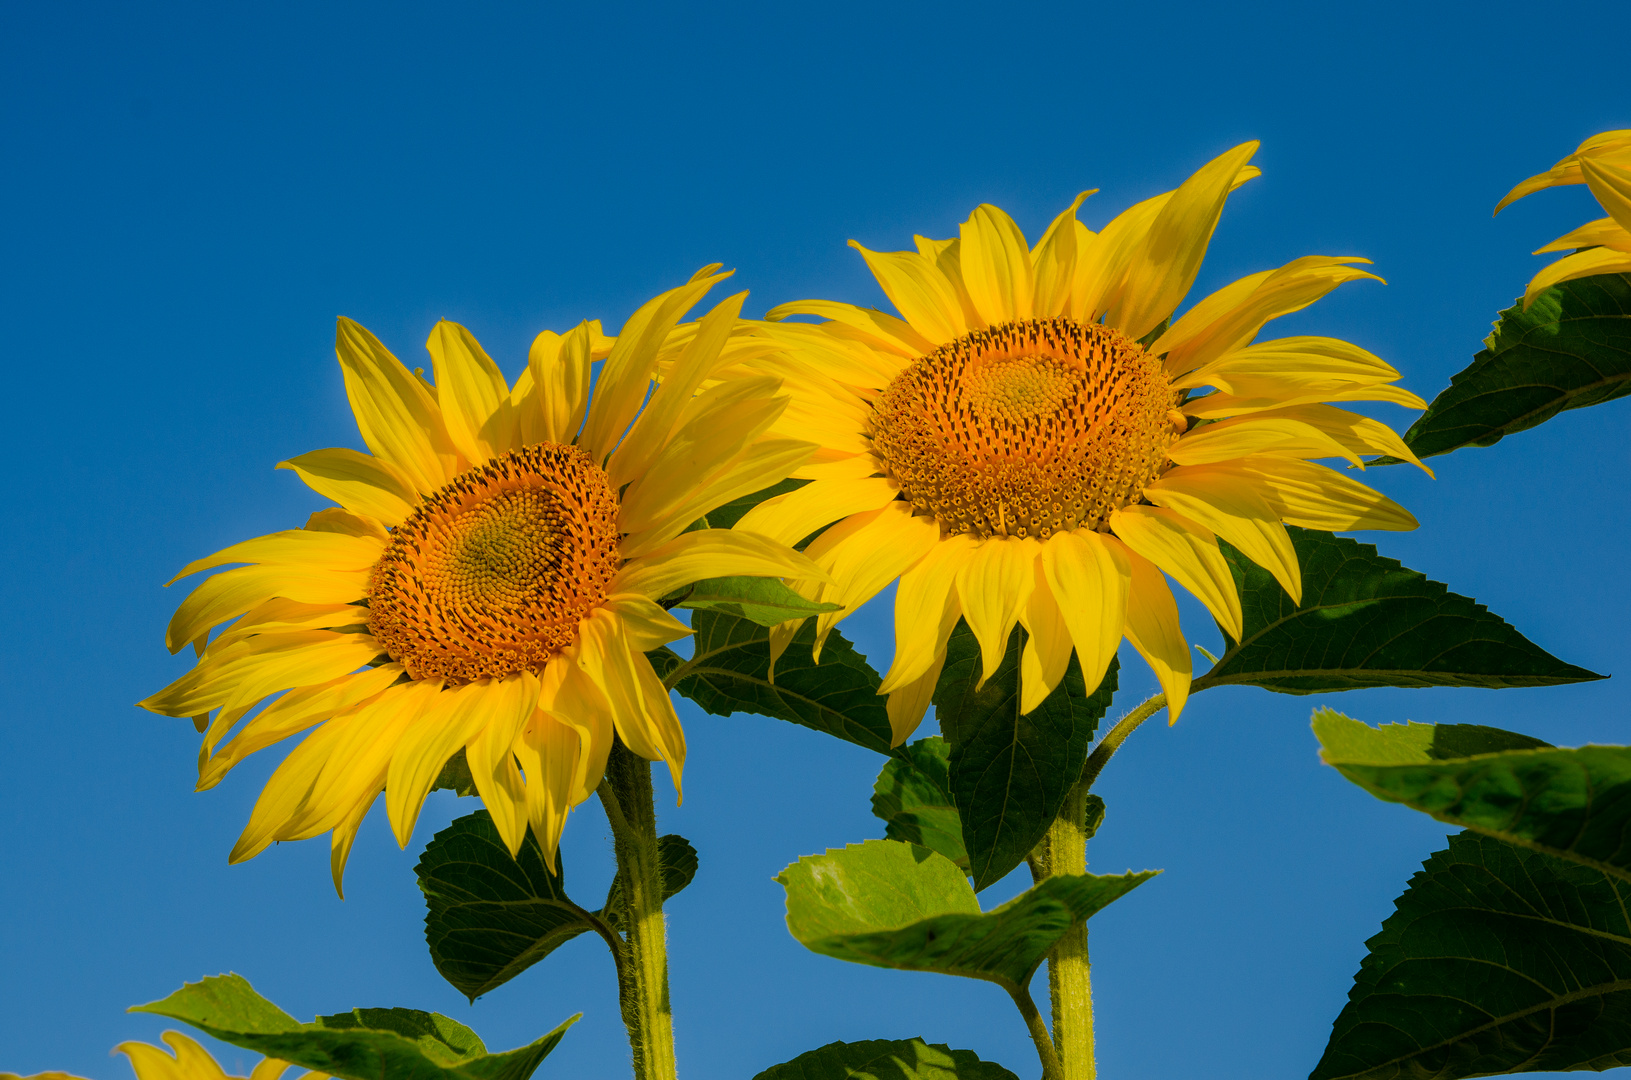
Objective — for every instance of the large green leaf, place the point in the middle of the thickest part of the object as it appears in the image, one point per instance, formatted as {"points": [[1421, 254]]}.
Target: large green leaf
{"points": [[1498, 960], [364, 1044], [1009, 774], [1367, 621], [1572, 348], [913, 797], [887, 1059], [726, 516], [1574, 804], [676, 863], [489, 917], [897, 905], [766, 601], [729, 672], [1343, 738]]}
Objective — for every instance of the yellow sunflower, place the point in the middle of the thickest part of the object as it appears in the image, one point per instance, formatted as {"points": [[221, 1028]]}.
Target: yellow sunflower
{"points": [[489, 580], [1602, 163], [1024, 444]]}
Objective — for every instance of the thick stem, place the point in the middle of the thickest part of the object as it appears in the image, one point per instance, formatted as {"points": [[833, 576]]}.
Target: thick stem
{"points": [[643, 978], [1063, 850], [1070, 974], [1039, 1034]]}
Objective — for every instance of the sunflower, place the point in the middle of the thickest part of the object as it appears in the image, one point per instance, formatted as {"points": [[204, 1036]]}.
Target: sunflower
{"points": [[489, 581], [1602, 163], [1024, 443]]}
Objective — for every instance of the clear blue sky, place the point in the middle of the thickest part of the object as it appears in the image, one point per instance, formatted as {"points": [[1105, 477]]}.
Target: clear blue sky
{"points": [[192, 193]]}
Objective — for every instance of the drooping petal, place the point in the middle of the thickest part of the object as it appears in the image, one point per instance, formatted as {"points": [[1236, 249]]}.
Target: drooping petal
{"points": [[1152, 629], [1187, 551], [1231, 506], [910, 700], [926, 612], [862, 554], [1088, 575], [994, 584], [548, 750], [1047, 648]]}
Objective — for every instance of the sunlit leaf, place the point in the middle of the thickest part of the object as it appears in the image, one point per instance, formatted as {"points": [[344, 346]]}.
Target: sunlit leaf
{"points": [[887, 1059]]}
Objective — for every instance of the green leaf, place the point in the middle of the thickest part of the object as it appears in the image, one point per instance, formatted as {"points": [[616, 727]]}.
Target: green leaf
{"points": [[490, 917], [455, 776], [1574, 804], [364, 1044], [729, 672], [766, 601], [1572, 348], [913, 798], [726, 516], [1347, 740], [896, 905], [1367, 621], [1009, 774], [676, 862], [887, 1059], [1498, 960]]}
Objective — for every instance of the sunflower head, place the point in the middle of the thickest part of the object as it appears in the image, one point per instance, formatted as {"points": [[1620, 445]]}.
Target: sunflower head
{"points": [[1035, 441], [488, 583]]}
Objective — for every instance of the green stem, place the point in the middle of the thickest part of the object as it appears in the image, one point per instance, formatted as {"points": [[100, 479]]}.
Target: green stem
{"points": [[643, 978], [1063, 850], [1051, 1069]]}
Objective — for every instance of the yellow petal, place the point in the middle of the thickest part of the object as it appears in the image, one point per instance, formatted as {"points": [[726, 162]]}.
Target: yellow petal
{"points": [[993, 585], [1102, 259], [340, 841], [1088, 576], [472, 394], [262, 666], [789, 518], [580, 704], [1587, 263], [548, 750], [1054, 263], [757, 467], [398, 418], [919, 291], [551, 407], [1261, 433], [295, 547], [232, 592], [294, 712], [877, 328], [1164, 266], [1609, 143], [1611, 186], [1314, 359], [1314, 497], [947, 257], [490, 755], [909, 701], [1604, 232], [1047, 648], [358, 482], [926, 612], [996, 265], [647, 625], [1212, 330], [1152, 629], [641, 707], [1188, 552], [1230, 505], [655, 428], [864, 553], [626, 376], [709, 553]]}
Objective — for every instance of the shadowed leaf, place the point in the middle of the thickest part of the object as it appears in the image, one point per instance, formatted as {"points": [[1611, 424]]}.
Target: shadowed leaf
{"points": [[912, 797], [1572, 348], [1365, 620], [1009, 774], [887, 1059]]}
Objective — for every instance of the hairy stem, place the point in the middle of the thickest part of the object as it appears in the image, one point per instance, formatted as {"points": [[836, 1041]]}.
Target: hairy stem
{"points": [[1063, 850], [643, 977], [1039, 1034]]}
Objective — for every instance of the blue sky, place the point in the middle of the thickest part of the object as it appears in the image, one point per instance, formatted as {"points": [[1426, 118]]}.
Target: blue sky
{"points": [[192, 193]]}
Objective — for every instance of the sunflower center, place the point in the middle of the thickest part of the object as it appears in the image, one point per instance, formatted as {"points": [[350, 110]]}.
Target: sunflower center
{"points": [[493, 573], [1026, 428]]}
